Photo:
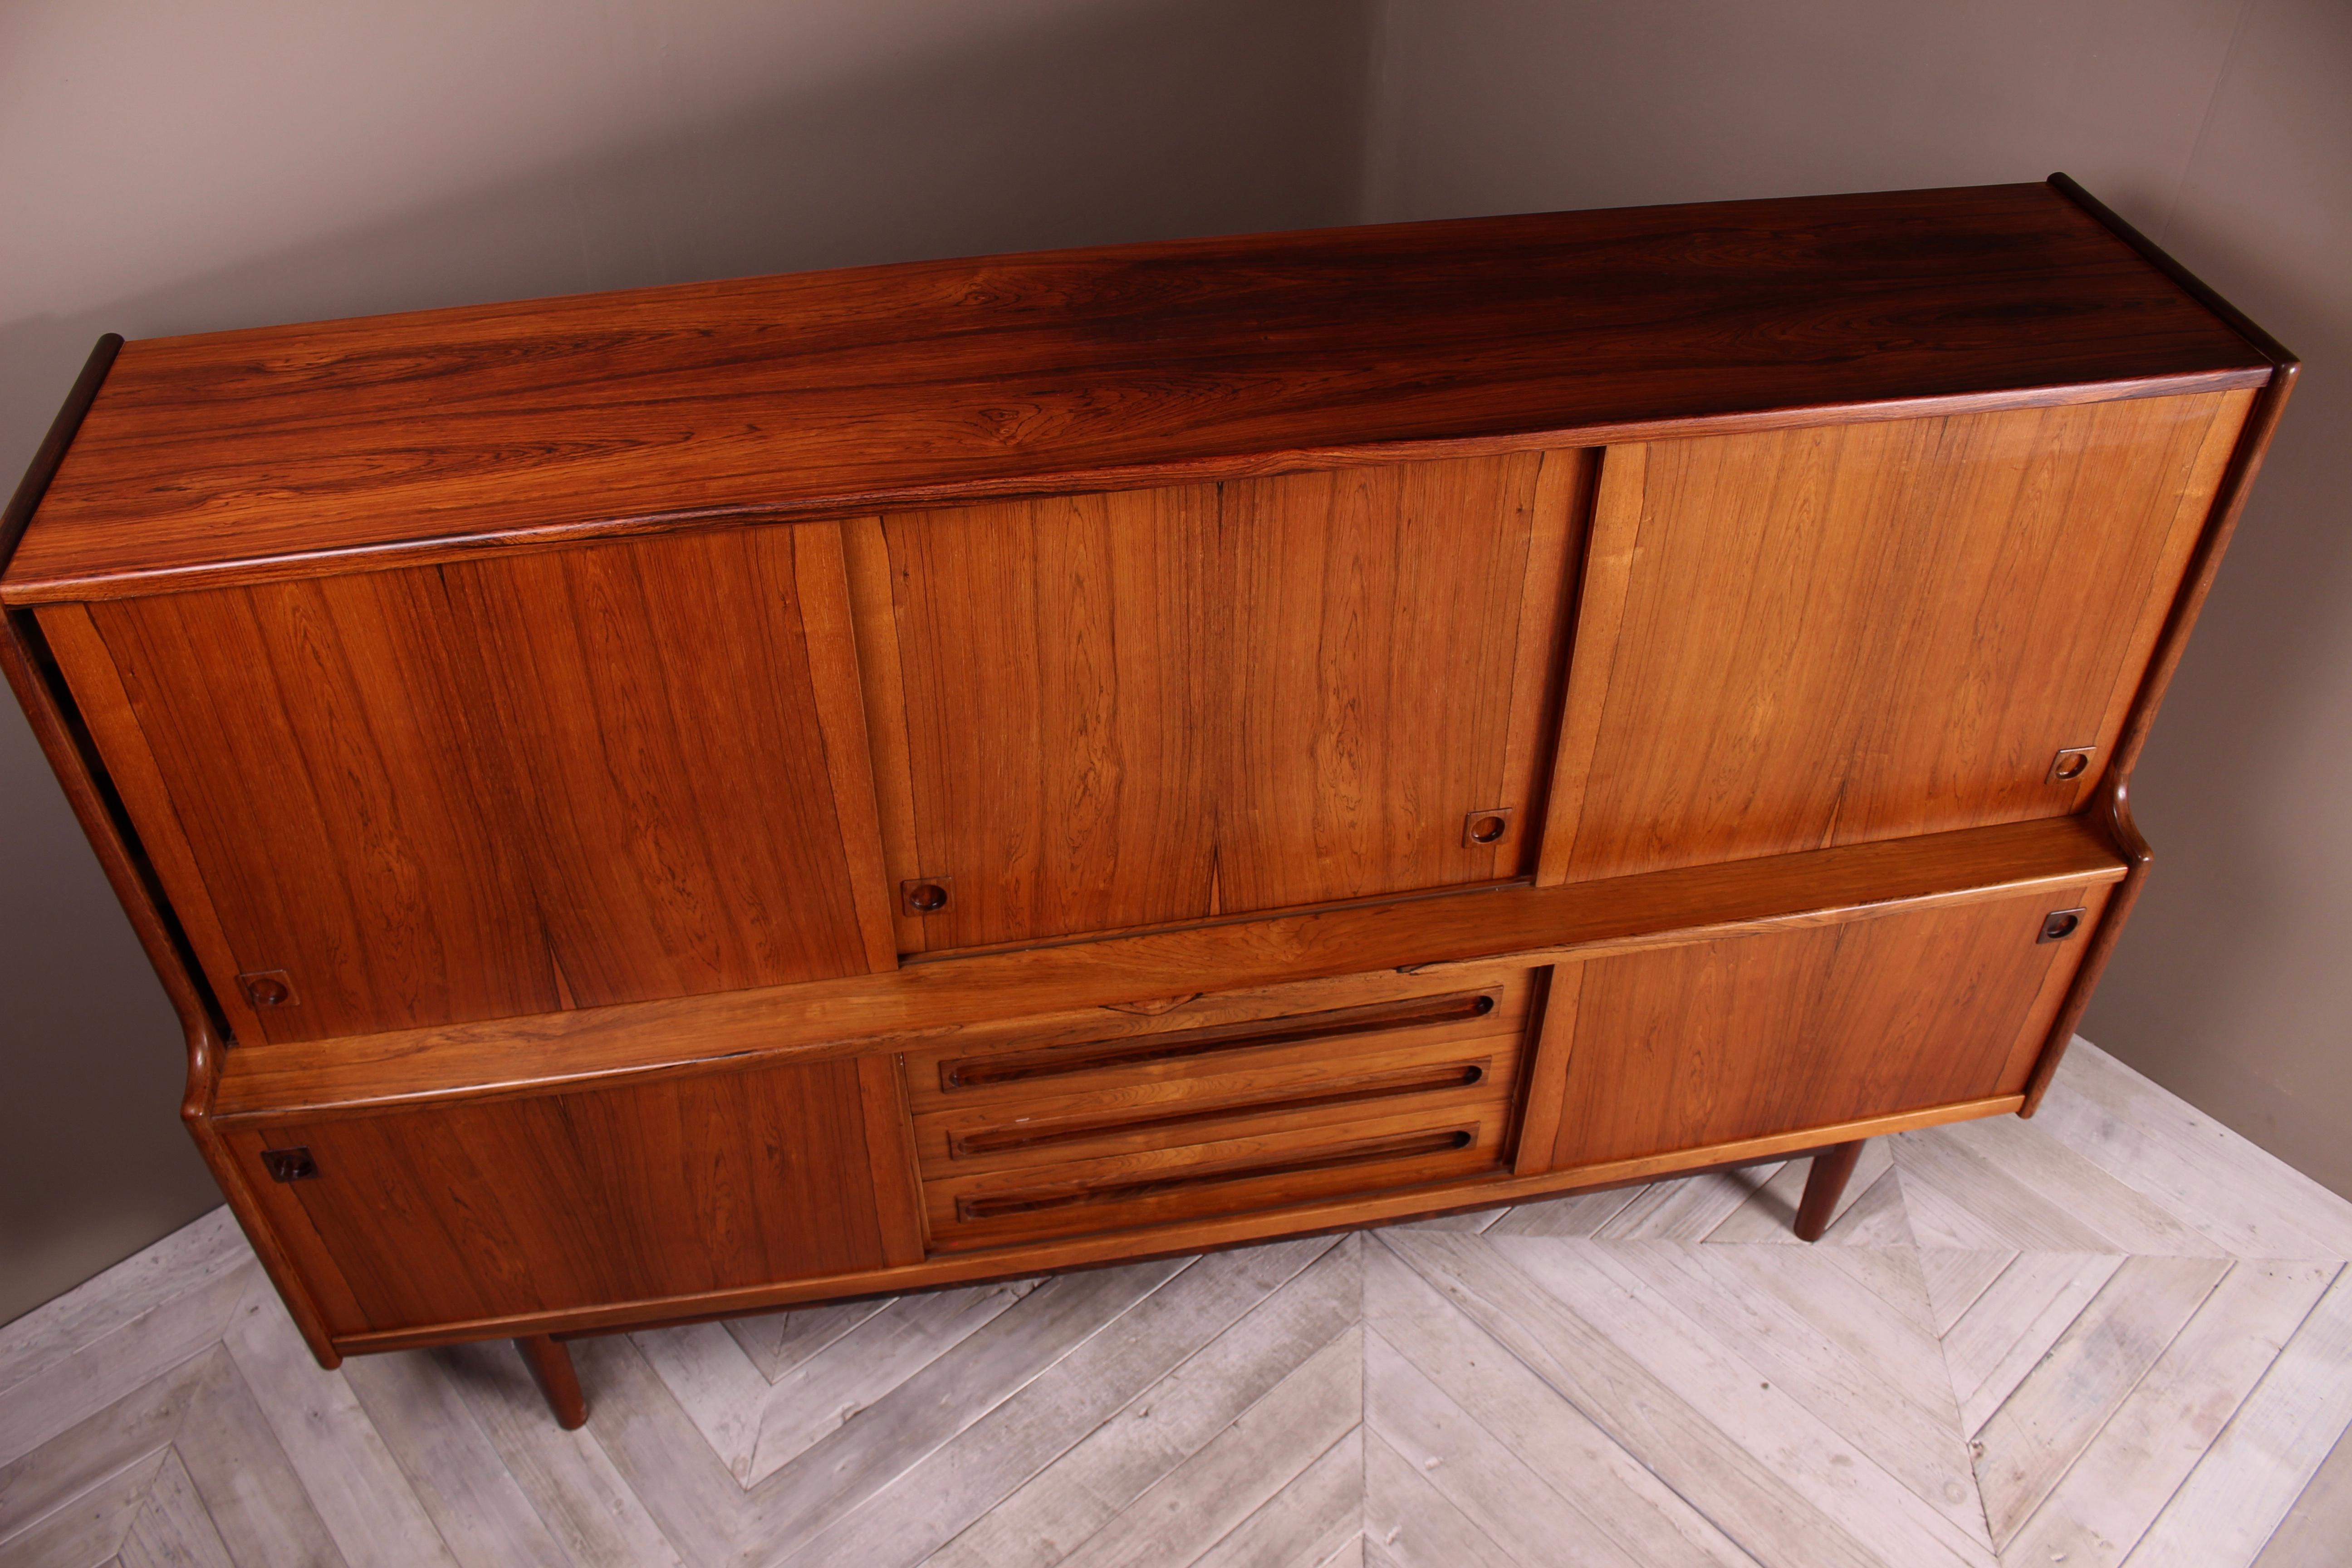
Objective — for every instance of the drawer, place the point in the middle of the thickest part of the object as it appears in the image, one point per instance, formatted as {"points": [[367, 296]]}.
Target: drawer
{"points": [[1024, 1141]]}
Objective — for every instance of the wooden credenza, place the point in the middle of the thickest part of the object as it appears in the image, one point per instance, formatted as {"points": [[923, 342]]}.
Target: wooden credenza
{"points": [[658, 804]]}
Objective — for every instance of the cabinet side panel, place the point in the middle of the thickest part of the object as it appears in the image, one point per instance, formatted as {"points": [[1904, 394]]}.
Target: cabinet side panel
{"points": [[1860, 632], [314, 739], [568, 1201], [1752, 1036], [1377, 616], [1054, 657], [655, 706]]}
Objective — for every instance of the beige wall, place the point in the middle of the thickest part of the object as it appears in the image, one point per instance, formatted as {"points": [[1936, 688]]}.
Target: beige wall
{"points": [[2223, 128], [228, 162]]}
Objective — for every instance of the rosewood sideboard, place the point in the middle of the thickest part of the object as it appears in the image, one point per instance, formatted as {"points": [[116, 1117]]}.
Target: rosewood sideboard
{"points": [[659, 805]]}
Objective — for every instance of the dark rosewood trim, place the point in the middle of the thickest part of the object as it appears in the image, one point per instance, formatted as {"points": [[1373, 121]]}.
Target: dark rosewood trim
{"points": [[2269, 347], [64, 741], [131, 583], [1824, 1184], [2112, 807], [52, 449], [552, 1369], [2116, 803]]}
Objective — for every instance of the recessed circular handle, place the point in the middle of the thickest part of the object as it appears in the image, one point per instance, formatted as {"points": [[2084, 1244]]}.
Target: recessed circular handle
{"points": [[1488, 829], [924, 898], [270, 988], [2071, 766], [2060, 924], [1484, 1005]]}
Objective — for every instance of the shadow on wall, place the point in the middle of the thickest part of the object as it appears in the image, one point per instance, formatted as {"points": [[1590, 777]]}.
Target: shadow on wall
{"points": [[1144, 121]]}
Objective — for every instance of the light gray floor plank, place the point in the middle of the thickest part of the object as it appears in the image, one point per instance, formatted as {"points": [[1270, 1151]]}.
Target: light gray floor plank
{"points": [[1408, 1523], [1595, 1476], [87, 1528], [481, 1511], [778, 1342], [570, 1479], [759, 1425], [2106, 1501], [1955, 1279], [2007, 1329], [256, 1497], [1769, 1214], [1172, 1418], [933, 1502], [2245, 1483], [138, 1427], [2314, 1532], [2245, 1198], [1351, 1553], [66, 1389], [1863, 1369], [834, 1478], [1477, 1472], [2028, 1445], [349, 1475], [1201, 1500], [1813, 1458], [173, 1530], [2130, 1220], [1686, 1209], [1579, 1215], [1892, 1274], [1766, 1499], [185, 1261], [1308, 1522], [1960, 1198]]}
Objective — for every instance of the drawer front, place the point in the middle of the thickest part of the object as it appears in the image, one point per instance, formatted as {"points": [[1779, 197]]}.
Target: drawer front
{"points": [[1024, 1140]]}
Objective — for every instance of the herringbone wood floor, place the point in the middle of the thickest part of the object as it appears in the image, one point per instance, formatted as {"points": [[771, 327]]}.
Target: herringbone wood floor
{"points": [[2115, 1333]]}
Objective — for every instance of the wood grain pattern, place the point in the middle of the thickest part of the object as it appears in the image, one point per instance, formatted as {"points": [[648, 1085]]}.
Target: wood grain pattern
{"points": [[539, 715], [104, 708], [507, 787], [422, 435], [1053, 658], [1394, 633], [1134, 708], [1995, 570], [934, 1002], [316, 745], [672, 762], [1145, 1423], [573, 1200], [1376, 1205], [1718, 1042]]}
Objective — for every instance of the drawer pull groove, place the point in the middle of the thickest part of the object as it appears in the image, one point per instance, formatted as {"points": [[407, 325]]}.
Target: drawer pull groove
{"points": [[1094, 1056], [1346, 1091], [1413, 1146]]}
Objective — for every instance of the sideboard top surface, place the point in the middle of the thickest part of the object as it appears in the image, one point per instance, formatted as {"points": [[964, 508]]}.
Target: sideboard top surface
{"points": [[282, 451]]}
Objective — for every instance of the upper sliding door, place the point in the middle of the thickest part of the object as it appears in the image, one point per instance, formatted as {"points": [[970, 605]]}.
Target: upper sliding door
{"points": [[1831, 634], [1104, 711], [397, 799]]}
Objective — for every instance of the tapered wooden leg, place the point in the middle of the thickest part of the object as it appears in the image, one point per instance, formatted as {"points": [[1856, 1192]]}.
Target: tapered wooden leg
{"points": [[1831, 1166], [551, 1367]]}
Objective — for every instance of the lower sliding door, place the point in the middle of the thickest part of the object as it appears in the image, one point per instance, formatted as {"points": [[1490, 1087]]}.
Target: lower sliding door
{"points": [[1751, 1036], [469, 1213]]}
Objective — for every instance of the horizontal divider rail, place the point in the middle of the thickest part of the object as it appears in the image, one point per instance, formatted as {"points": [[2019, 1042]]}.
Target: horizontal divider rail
{"points": [[930, 1005]]}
